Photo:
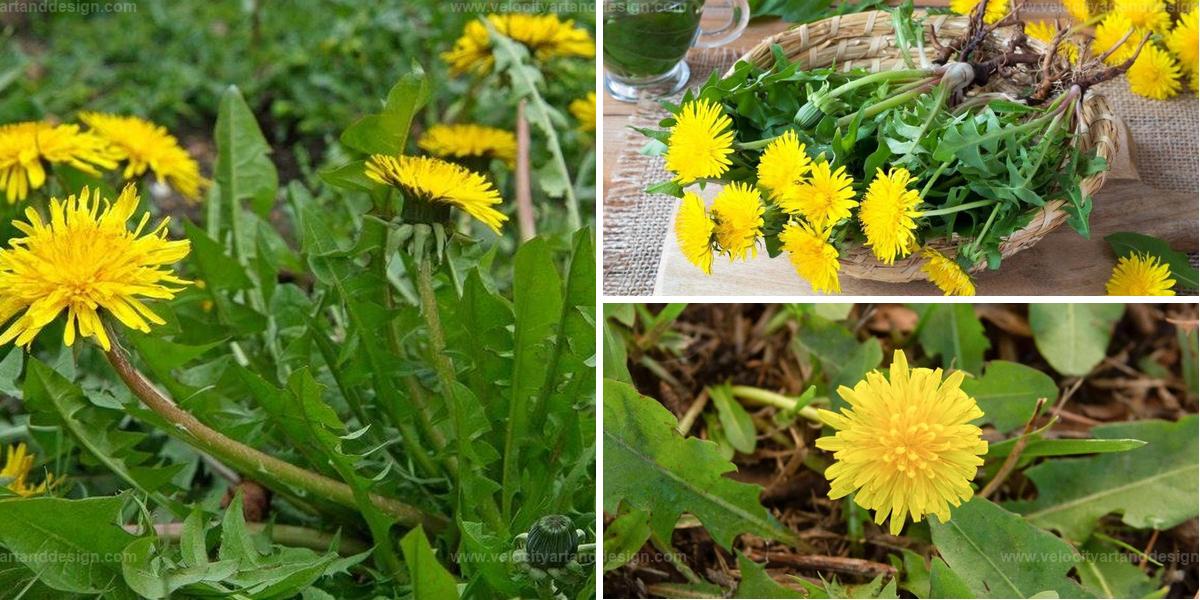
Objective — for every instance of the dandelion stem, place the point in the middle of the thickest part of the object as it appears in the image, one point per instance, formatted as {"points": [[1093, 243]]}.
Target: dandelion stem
{"points": [[958, 208], [768, 398], [287, 535], [265, 468]]}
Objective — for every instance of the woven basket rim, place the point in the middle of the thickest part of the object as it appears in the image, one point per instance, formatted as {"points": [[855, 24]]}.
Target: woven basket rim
{"points": [[873, 31]]}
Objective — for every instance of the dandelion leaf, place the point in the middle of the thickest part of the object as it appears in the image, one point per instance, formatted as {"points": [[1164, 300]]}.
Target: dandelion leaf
{"points": [[1073, 338], [1154, 486], [1008, 391], [953, 332], [997, 554], [756, 583], [648, 465]]}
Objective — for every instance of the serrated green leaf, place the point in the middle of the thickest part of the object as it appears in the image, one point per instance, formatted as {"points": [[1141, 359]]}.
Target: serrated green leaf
{"points": [[651, 467], [756, 583], [1152, 487], [1007, 393], [244, 169], [87, 546], [945, 583], [10, 371], [998, 555], [1073, 338], [624, 537], [953, 332]]}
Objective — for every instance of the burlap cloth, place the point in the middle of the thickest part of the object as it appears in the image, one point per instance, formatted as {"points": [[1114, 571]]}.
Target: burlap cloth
{"points": [[1163, 135]]}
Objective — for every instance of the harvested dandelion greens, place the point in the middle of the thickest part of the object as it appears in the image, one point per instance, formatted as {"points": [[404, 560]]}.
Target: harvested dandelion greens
{"points": [[965, 149]]}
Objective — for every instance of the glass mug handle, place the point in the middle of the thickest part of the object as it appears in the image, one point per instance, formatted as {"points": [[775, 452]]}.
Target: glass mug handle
{"points": [[739, 18]]}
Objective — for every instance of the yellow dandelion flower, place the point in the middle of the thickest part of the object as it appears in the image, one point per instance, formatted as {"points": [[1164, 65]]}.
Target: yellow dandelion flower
{"points": [[1045, 31], [996, 9], [700, 143], [24, 147], [1108, 34], [1154, 74], [1078, 10], [15, 473], [824, 198], [584, 111], [906, 444], [437, 181], [1140, 275], [783, 165], [738, 213], [1184, 42], [149, 146], [887, 214], [946, 274], [815, 259], [82, 260], [694, 232], [1145, 15], [546, 36], [470, 140]]}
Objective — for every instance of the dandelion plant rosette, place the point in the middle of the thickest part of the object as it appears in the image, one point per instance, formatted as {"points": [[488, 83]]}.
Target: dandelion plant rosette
{"points": [[895, 147]]}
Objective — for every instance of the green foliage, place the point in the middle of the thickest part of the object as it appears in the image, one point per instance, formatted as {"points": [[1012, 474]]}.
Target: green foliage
{"points": [[1073, 338], [997, 554], [649, 466], [1152, 487], [624, 537], [756, 583], [953, 332], [85, 533], [1008, 392], [406, 366]]}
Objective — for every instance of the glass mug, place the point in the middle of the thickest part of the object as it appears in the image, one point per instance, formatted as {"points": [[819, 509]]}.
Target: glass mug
{"points": [[645, 42]]}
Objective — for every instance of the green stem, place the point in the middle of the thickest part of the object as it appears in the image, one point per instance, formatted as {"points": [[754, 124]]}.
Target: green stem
{"points": [[883, 105], [446, 374], [261, 466], [959, 208], [986, 226], [768, 398], [878, 78], [943, 92], [932, 178]]}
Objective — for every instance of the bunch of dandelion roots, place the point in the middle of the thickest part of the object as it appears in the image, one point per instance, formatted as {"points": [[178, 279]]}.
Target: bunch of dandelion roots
{"points": [[1042, 75]]}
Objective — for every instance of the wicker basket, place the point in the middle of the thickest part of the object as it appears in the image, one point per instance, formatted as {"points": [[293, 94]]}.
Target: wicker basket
{"points": [[867, 40]]}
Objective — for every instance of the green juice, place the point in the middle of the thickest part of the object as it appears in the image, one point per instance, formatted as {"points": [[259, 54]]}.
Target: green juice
{"points": [[647, 38]]}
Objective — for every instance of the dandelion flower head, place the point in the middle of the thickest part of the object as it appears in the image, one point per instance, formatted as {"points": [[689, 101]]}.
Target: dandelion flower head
{"points": [[783, 165], [700, 142], [738, 213], [888, 214], [996, 9], [547, 36], [825, 198], [1140, 275], [1154, 74], [15, 473], [905, 446], [584, 111], [814, 258], [82, 261], [470, 140], [946, 274], [149, 146], [24, 147], [694, 232], [434, 180]]}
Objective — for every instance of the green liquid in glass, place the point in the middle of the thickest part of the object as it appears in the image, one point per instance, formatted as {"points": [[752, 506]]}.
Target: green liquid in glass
{"points": [[647, 38]]}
